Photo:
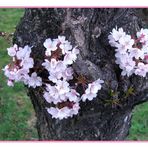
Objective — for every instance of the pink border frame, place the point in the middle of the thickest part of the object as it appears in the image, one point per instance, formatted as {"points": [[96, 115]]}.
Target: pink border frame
{"points": [[73, 6], [71, 141]]}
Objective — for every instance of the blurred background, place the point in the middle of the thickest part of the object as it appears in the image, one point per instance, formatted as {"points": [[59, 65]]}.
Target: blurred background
{"points": [[17, 117]]}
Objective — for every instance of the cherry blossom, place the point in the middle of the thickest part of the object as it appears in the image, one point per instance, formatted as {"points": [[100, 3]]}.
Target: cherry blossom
{"points": [[68, 73], [136, 53], [27, 63], [91, 91], [61, 91], [12, 50], [70, 57], [19, 69], [118, 34], [73, 95], [60, 72], [126, 41], [50, 46], [62, 87], [142, 69], [143, 35], [46, 64], [23, 53], [34, 80], [59, 113], [63, 113], [10, 83], [131, 54]]}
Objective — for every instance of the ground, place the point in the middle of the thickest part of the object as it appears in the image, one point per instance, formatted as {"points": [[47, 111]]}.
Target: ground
{"points": [[17, 119]]}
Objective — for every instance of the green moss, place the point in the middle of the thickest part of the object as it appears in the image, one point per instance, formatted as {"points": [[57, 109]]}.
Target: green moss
{"points": [[139, 126]]}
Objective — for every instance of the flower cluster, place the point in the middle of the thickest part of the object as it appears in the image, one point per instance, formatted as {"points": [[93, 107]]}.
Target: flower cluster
{"points": [[62, 87], [18, 69], [59, 59], [131, 52]]}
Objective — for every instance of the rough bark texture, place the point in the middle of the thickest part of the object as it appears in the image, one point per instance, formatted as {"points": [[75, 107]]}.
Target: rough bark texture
{"points": [[108, 116]]}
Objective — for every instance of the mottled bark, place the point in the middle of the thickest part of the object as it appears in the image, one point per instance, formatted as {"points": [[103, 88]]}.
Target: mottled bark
{"points": [[108, 116]]}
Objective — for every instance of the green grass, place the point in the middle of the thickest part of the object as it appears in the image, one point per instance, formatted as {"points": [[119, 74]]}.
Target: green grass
{"points": [[139, 128], [16, 111]]}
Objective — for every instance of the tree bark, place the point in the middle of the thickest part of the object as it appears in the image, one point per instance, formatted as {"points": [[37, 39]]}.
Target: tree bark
{"points": [[107, 117]]}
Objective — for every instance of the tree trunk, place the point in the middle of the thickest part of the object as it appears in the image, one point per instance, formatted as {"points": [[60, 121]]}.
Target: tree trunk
{"points": [[107, 117]]}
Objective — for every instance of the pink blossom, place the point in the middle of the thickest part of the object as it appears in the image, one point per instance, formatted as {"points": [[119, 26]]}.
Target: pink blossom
{"points": [[10, 83], [23, 53], [12, 50], [142, 69], [91, 91], [73, 95], [50, 46], [34, 80], [117, 34], [62, 87]]}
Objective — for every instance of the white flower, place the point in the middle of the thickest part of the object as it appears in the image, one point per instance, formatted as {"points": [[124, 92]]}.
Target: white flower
{"points": [[98, 83], [62, 87], [137, 53], [121, 56], [46, 64], [27, 63], [117, 34], [23, 53], [65, 47], [89, 96], [112, 41], [142, 69], [127, 55], [68, 73], [62, 39], [22, 75], [122, 49], [59, 113], [34, 80], [128, 67], [10, 83], [75, 51], [19, 69], [49, 98], [10, 73], [60, 67], [54, 67], [126, 41], [143, 35], [52, 93], [74, 110], [126, 63], [53, 63], [73, 95], [71, 56], [91, 91], [64, 112], [12, 50], [48, 52], [50, 46], [57, 70], [53, 78]]}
